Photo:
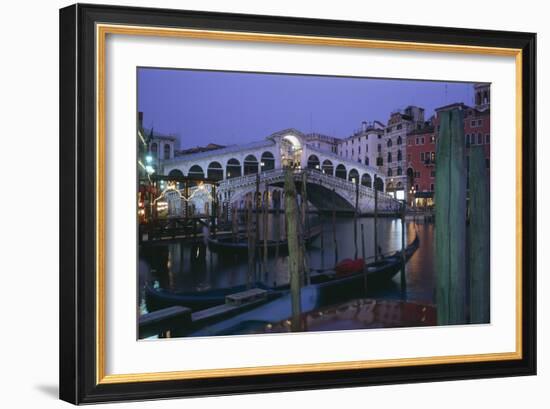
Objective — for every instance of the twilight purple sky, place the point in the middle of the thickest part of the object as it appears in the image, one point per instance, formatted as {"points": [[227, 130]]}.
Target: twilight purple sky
{"points": [[232, 107]]}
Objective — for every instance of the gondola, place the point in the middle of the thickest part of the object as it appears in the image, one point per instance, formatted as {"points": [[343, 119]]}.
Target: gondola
{"points": [[158, 298], [377, 272], [229, 245]]}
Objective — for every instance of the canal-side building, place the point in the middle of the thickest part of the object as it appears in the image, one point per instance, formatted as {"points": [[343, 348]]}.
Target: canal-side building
{"points": [[392, 158], [421, 145], [421, 151], [364, 145]]}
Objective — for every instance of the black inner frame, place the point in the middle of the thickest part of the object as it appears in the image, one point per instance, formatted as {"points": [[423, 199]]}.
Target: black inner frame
{"points": [[77, 204]]}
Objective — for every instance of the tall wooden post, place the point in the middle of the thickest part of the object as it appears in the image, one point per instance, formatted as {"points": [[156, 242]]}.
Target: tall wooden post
{"points": [[450, 220], [214, 210], [365, 270], [257, 225], [186, 198], [479, 238], [355, 217], [335, 242], [304, 229], [295, 262], [403, 260], [251, 247], [375, 229], [264, 223]]}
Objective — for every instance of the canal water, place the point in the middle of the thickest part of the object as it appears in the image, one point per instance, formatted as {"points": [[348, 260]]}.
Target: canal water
{"points": [[179, 266]]}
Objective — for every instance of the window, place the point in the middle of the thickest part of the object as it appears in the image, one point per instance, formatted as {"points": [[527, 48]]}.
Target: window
{"points": [[432, 139], [351, 151], [416, 187], [399, 171], [479, 139], [422, 139], [359, 150], [154, 148], [487, 139], [427, 157], [473, 123], [418, 141], [432, 187], [422, 156], [432, 174], [479, 122], [399, 155], [389, 143], [359, 160], [409, 141], [379, 148], [166, 151], [389, 157], [467, 139], [399, 126], [399, 140], [367, 160], [379, 161], [417, 174], [390, 172], [388, 129], [432, 157]]}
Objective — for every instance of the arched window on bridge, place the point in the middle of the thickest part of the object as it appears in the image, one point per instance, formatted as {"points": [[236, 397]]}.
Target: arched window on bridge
{"points": [[313, 162], [267, 161], [390, 172], [215, 171], [366, 180], [328, 167], [176, 173], [233, 168], [166, 151], [399, 171], [378, 184], [353, 176], [195, 172], [341, 171], [250, 165]]}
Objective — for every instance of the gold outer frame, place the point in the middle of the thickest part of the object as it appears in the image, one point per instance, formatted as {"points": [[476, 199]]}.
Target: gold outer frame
{"points": [[102, 30]]}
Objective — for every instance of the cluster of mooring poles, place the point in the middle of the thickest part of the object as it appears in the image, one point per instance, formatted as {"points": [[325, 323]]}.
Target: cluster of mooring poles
{"points": [[461, 253]]}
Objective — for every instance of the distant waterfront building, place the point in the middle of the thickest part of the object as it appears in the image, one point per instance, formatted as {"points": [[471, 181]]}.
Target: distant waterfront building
{"points": [[394, 149], [422, 145]]}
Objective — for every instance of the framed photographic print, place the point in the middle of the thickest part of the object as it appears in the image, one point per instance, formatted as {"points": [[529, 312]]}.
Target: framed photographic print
{"points": [[258, 203]]}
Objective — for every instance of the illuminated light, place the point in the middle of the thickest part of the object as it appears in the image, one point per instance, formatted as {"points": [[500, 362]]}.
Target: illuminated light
{"points": [[317, 167], [148, 159], [262, 163], [149, 169]]}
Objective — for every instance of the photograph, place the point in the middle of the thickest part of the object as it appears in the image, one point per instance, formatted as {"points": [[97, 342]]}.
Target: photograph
{"points": [[271, 202]]}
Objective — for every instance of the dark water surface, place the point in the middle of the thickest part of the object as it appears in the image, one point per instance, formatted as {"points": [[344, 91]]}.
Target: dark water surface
{"points": [[179, 266]]}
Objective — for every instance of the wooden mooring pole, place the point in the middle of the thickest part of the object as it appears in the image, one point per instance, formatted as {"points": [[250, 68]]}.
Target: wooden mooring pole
{"points": [[479, 237], [334, 227], [264, 223], [450, 220], [403, 259], [295, 260], [251, 247], [304, 229], [375, 229], [365, 270], [355, 217]]}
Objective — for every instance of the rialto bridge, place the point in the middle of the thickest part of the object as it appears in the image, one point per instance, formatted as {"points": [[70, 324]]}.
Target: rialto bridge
{"points": [[331, 179]]}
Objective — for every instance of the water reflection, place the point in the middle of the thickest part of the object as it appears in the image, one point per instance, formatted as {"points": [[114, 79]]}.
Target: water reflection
{"points": [[178, 266]]}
